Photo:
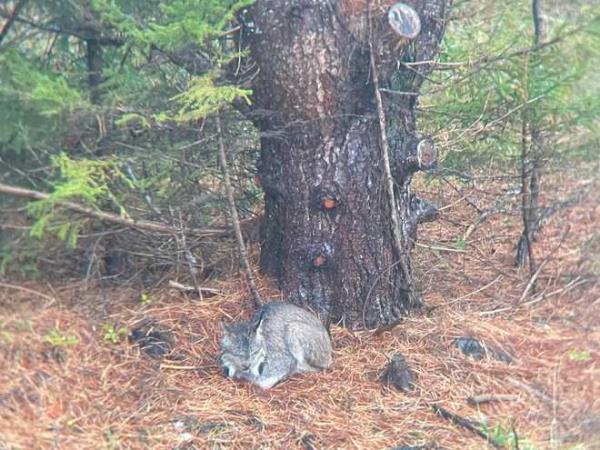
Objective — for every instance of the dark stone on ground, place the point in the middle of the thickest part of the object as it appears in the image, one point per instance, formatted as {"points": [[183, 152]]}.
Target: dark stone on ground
{"points": [[154, 340], [55, 353], [308, 441], [398, 374], [479, 350]]}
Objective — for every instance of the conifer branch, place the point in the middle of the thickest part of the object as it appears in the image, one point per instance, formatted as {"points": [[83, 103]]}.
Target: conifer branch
{"points": [[145, 225]]}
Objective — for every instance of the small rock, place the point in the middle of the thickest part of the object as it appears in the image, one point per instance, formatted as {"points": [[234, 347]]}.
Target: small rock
{"points": [[308, 441], [185, 437], [479, 350], [152, 339], [398, 374]]}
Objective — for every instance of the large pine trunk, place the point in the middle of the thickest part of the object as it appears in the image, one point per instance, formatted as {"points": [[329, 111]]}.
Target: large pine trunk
{"points": [[327, 234]]}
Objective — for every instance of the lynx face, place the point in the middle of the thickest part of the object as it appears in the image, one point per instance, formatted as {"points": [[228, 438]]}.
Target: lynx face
{"points": [[235, 358]]}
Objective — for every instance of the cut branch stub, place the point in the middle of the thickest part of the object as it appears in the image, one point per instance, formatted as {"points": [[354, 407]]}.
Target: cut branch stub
{"points": [[320, 256], [425, 158], [325, 198], [404, 20], [319, 261], [328, 203]]}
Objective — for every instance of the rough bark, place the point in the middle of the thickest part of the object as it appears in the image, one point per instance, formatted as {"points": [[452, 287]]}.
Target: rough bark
{"points": [[327, 234], [94, 66]]}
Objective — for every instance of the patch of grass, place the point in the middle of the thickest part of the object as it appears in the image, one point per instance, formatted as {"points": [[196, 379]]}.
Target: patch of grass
{"points": [[580, 355], [58, 338], [506, 437], [145, 298], [111, 334]]}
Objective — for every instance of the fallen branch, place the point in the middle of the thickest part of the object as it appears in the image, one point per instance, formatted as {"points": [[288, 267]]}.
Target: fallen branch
{"points": [[534, 277], [472, 426], [110, 217], [488, 398], [29, 291], [531, 390], [190, 289]]}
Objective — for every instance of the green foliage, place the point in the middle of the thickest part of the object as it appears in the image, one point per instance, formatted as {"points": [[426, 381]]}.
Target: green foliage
{"points": [[135, 150], [495, 82], [202, 98], [580, 355], [33, 101], [145, 298], [460, 243], [19, 259], [113, 335], [58, 338], [173, 25], [505, 437], [84, 180]]}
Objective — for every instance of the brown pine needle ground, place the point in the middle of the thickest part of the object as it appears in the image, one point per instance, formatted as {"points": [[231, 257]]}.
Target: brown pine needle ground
{"points": [[82, 391]]}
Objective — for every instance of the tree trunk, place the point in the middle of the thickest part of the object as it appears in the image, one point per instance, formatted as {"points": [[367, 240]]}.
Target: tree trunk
{"points": [[327, 235], [94, 64], [531, 165]]}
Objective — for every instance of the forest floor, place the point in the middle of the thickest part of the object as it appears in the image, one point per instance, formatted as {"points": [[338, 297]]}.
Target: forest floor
{"points": [[70, 378]]}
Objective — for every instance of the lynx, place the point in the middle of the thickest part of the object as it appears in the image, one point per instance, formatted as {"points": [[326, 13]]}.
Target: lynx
{"points": [[279, 341]]}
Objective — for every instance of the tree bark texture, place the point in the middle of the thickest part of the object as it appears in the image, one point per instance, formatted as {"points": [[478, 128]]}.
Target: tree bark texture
{"points": [[327, 234], [94, 64]]}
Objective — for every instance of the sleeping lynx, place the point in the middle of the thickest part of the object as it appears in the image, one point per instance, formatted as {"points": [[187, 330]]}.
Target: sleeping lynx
{"points": [[279, 340]]}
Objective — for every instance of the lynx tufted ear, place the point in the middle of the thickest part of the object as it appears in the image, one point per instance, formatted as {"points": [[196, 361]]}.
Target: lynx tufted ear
{"points": [[256, 325], [225, 330]]}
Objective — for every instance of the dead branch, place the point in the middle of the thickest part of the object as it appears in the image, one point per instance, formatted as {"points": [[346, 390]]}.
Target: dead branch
{"points": [[11, 19], [389, 179], [235, 221], [29, 291], [472, 426], [531, 390], [489, 398], [145, 225], [534, 277], [189, 289]]}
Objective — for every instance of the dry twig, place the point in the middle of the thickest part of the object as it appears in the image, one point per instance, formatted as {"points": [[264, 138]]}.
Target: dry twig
{"points": [[235, 221]]}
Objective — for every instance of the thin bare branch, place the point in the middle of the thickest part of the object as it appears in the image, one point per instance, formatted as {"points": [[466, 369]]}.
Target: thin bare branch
{"points": [[235, 221], [11, 19], [145, 225]]}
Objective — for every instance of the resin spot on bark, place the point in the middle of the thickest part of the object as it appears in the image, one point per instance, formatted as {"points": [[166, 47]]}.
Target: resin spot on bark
{"points": [[319, 261], [328, 203]]}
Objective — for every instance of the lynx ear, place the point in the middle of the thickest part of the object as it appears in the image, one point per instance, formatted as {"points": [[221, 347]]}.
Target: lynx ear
{"points": [[256, 325], [223, 327]]}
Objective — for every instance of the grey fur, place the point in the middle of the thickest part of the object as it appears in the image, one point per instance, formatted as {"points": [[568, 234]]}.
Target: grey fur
{"points": [[279, 341]]}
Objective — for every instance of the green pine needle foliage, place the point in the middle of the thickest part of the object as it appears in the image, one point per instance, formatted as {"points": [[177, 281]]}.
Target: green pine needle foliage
{"points": [[202, 98], [474, 106], [86, 181], [33, 102]]}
